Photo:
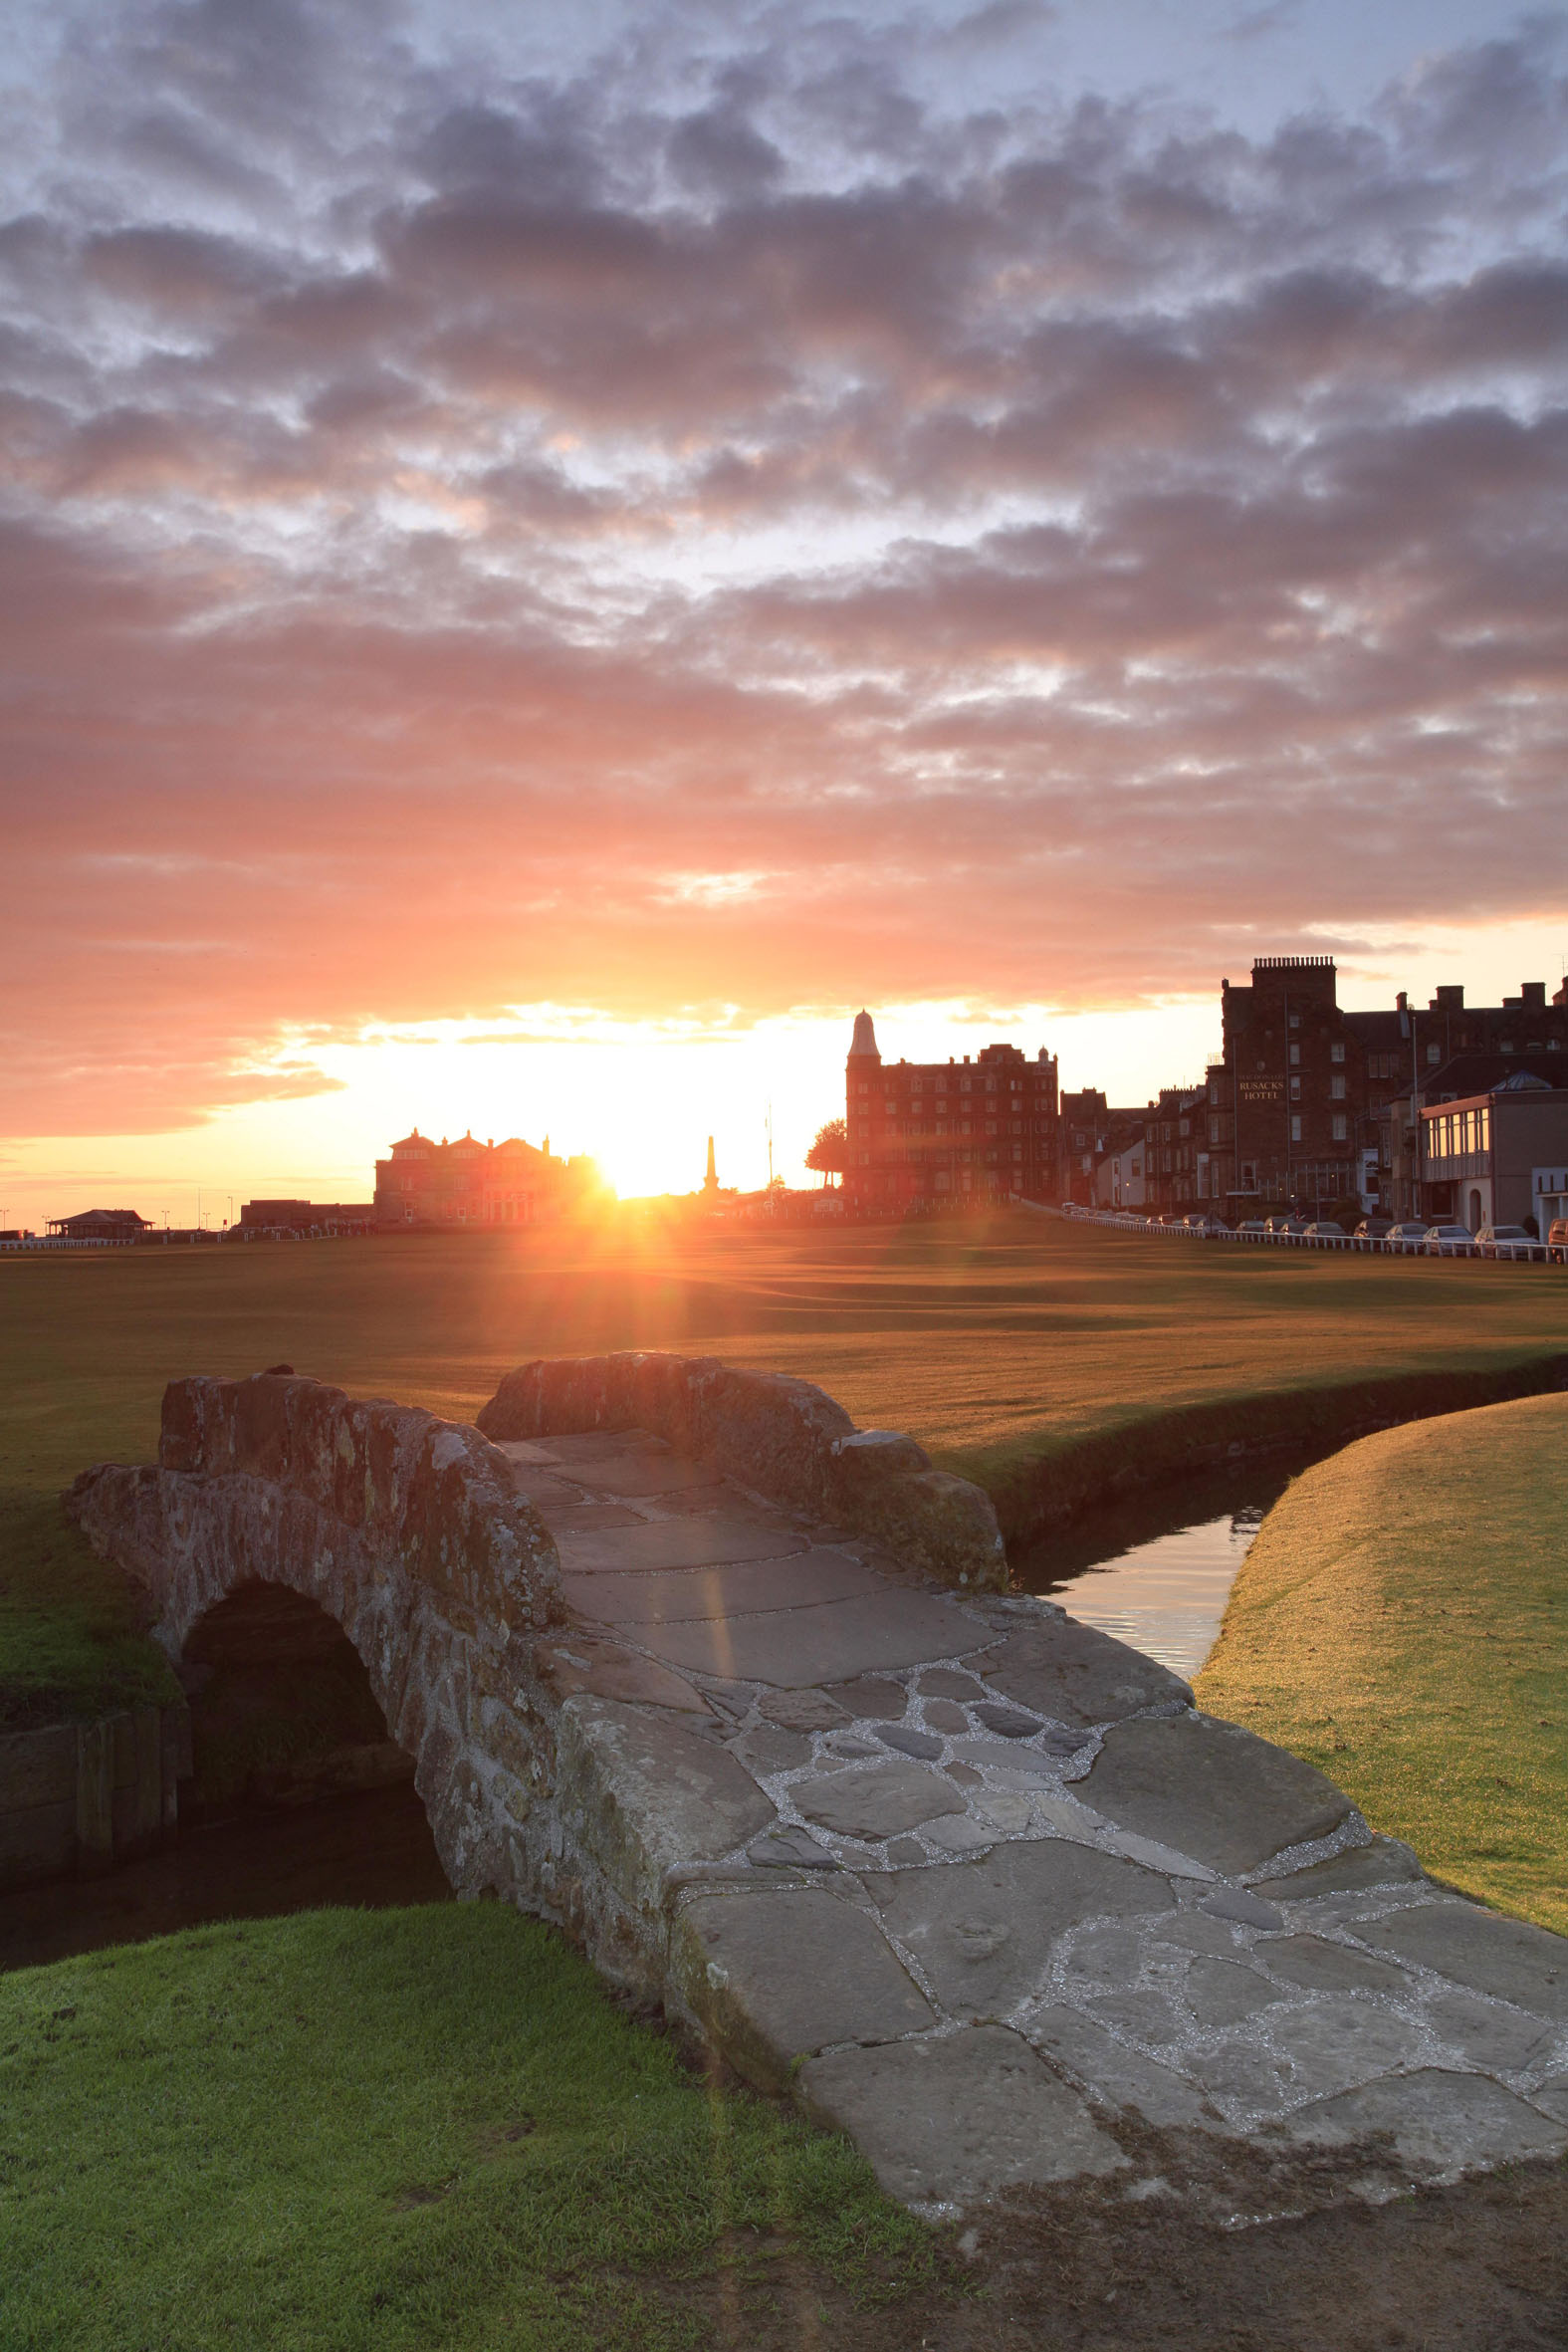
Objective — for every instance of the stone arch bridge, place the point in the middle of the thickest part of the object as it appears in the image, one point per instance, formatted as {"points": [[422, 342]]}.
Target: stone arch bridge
{"points": [[735, 1694]]}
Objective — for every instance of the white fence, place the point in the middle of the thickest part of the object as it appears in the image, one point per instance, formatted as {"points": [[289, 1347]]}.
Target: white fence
{"points": [[1363, 1246], [60, 1241]]}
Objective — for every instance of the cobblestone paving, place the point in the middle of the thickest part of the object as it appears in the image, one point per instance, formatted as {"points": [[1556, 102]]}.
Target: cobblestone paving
{"points": [[972, 1879]]}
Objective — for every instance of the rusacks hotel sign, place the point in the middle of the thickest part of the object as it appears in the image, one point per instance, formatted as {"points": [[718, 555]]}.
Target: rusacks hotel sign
{"points": [[1263, 1090]]}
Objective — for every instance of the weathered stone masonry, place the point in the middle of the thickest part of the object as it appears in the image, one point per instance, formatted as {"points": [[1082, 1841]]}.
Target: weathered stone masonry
{"points": [[407, 1529], [723, 1685], [411, 1532]]}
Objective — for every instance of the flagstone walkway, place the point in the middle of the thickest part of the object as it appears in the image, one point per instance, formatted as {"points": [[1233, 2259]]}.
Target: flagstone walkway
{"points": [[974, 1881]]}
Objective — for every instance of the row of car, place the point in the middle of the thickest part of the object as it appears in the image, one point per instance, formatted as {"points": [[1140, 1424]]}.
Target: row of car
{"points": [[1412, 1237]]}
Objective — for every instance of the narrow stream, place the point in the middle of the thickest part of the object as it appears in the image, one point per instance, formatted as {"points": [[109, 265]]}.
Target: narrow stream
{"points": [[1156, 1571], [368, 1850]]}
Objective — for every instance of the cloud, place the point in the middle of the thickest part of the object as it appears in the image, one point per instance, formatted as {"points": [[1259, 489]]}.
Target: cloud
{"points": [[727, 529]]}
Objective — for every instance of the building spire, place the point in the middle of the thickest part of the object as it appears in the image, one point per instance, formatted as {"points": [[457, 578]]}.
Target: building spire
{"points": [[710, 1182], [865, 1041]]}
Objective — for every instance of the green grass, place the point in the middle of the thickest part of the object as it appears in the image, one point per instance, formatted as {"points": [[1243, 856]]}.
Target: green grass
{"points": [[1008, 1346], [391, 2129], [430, 2127], [71, 1637], [1402, 1620]]}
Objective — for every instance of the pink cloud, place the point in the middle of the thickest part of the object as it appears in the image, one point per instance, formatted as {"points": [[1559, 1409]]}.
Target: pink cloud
{"points": [[1025, 549]]}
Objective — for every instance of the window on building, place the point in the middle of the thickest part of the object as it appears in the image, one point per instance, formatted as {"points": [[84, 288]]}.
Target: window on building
{"points": [[1336, 1052], [1295, 1020], [1295, 1089], [1214, 1130], [990, 1126], [966, 1086], [1295, 1054], [1341, 1126], [1336, 1090], [1295, 1127], [1435, 1055]]}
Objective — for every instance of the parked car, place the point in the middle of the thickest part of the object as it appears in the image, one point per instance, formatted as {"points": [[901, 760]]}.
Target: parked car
{"points": [[1372, 1229], [1450, 1241], [1326, 1233], [1557, 1241], [1509, 1240], [1255, 1227], [1201, 1222], [1409, 1236], [1289, 1229]]}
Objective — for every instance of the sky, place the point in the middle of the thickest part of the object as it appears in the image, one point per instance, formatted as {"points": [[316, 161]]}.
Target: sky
{"points": [[547, 557]]}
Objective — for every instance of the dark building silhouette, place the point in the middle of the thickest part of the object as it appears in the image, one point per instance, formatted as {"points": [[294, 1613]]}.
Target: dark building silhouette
{"points": [[307, 1215], [1312, 1104], [925, 1135], [101, 1225]]}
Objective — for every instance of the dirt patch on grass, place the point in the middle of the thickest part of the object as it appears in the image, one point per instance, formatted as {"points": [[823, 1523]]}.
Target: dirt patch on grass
{"points": [[1482, 2266]]}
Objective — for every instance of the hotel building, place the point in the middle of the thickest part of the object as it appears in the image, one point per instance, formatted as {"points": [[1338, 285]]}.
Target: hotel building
{"points": [[925, 1135]]}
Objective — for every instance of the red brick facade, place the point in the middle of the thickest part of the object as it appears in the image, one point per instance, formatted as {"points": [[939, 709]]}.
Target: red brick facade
{"points": [[927, 1135]]}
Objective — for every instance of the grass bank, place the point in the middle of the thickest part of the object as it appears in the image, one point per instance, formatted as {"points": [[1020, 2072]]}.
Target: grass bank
{"points": [[1402, 1620], [204, 2143], [1050, 1360], [1040, 1484]]}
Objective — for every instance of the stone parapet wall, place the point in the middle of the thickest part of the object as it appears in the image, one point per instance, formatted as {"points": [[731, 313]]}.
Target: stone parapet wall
{"points": [[780, 1436], [81, 1797], [426, 1493]]}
